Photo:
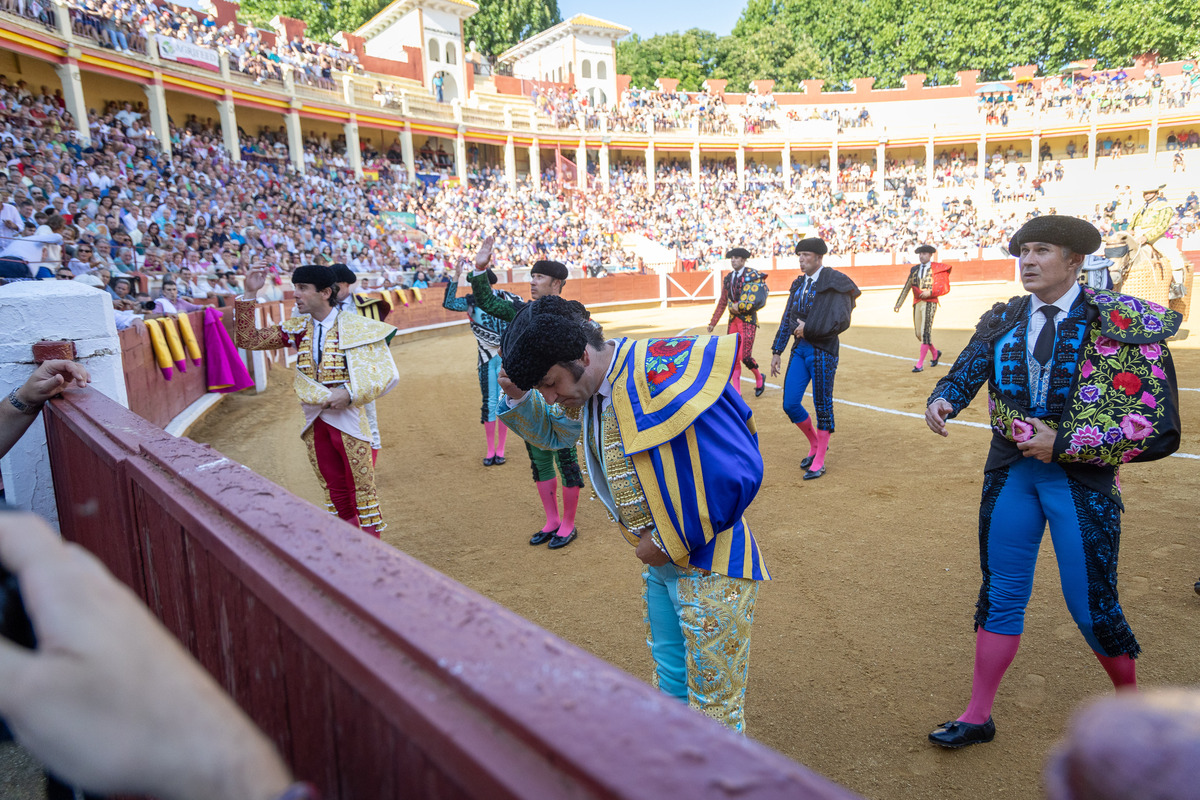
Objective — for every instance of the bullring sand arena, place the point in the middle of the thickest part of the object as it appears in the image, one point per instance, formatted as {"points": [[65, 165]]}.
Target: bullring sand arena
{"points": [[863, 641]]}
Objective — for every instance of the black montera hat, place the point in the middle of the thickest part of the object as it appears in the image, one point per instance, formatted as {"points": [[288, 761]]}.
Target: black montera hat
{"points": [[318, 275], [925, 248], [552, 268], [813, 244], [1078, 234], [343, 273], [545, 332], [738, 252]]}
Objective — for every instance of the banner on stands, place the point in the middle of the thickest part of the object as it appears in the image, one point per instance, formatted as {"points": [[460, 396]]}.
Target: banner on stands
{"points": [[188, 53]]}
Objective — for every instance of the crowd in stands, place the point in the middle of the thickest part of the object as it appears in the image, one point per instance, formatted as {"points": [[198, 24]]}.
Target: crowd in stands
{"points": [[200, 220], [1078, 97], [126, 25]]}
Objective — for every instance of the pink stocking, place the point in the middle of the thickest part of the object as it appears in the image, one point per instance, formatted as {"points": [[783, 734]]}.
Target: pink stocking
{"points": [[1121, 669], [993, 653], [806, 428], [548, 491], [822, 448], [758, 379], [924, 350], [501, 435], [570, 505], [489, 430], [736, 377]]}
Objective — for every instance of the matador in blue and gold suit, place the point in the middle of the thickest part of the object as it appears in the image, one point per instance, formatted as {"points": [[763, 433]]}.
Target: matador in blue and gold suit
{"points": [[677, 450]]}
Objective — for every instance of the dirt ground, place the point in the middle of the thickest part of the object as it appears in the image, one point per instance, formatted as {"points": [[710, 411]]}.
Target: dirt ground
{"points": [[863, 641]]}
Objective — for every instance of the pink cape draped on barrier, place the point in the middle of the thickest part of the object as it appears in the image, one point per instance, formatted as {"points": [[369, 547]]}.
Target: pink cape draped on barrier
{"points": [[226, 372]]}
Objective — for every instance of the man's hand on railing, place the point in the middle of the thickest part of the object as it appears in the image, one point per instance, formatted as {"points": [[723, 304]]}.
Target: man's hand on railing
{"points": [[108, 700]]}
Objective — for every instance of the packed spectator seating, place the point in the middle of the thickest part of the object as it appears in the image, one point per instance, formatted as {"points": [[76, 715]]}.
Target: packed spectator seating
{"points": [[126, 25]]}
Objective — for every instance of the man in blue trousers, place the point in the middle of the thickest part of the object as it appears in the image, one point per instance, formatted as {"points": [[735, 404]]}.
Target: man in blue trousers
{"points": [[1079, 382]]}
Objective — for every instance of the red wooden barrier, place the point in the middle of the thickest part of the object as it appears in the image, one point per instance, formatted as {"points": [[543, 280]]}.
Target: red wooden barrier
{"points": [[377, 676]]}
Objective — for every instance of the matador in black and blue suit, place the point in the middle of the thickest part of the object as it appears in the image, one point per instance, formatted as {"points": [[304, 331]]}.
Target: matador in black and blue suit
{"points": [[1079, 382]]}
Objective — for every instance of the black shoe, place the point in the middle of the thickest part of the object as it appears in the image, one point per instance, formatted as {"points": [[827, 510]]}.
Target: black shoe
{"points": [[961, 734], [758, 390], [806, 462], [937, 355], [1197, 587], [813, 474], [541, 537], [920, 369], [487, 462], [497, 461], [557, 542]]}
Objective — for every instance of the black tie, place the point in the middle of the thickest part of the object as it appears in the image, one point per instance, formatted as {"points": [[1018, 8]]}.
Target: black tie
{"points": [[1043, 348]]}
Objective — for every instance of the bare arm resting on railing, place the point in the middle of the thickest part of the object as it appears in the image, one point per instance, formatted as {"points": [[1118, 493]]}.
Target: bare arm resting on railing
{"points": [[246, 334], [46, 381], [109, 701]]}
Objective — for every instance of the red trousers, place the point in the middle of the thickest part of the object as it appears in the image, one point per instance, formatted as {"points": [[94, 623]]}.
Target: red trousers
{"points": [[345, 469]]}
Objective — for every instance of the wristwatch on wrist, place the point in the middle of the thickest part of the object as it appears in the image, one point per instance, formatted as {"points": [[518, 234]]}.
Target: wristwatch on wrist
{"points": [[24, 408]]}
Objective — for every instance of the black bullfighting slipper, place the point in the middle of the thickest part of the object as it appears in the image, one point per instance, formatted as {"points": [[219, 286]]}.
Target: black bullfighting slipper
{"points": [[489, 461], [759, 389], [920, 369], [806, 462], [562, 541], [960, 734], [497, 461], [1197, 587], [541, 537], [813, 474], [937, 356]]}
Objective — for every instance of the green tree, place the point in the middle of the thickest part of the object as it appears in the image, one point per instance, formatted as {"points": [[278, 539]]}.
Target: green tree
{"points": [[770, 52], [691, 56], [500, 24]]}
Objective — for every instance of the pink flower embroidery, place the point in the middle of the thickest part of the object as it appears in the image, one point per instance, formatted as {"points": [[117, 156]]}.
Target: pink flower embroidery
{"points": [[1129, 455], [1156, 372], [1136, 427], [1149, 400], [1087, 369], [1021, 431], [1106, 346], [1152, 351], [1087, 436]]}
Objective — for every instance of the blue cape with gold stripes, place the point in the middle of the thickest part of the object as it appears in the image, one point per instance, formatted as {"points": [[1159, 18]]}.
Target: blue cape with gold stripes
{"points": [[694, 445]]}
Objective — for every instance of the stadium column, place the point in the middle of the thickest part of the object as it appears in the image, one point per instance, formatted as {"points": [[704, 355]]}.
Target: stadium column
{"points": [[1035, 143], [833, 165], [406, 152], [1092, 141], [581, 167], [62, 20], [460, 157], [696, 165], [604, 182], [929, 164], [741, 167], [650, 166], [295, 136], [785, 162], [72, 86], [880, 169], [510, 163], [156, 101], [34, 311], [981, 169], [535, 163], [229, 135], [353, 147]]}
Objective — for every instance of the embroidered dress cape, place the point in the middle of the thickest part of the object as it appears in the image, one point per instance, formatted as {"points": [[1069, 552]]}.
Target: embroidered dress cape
{"points": [[691, 440], [359, 360], [825, 318], [1111, 397]]}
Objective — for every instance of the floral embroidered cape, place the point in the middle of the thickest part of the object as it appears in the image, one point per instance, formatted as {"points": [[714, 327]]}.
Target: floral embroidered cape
{"points": [[1124, 405]]}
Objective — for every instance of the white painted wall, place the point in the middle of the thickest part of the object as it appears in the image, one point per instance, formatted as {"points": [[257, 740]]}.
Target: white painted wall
{"points": [[390, 42], [53, 310]]}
